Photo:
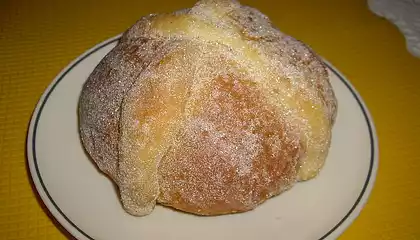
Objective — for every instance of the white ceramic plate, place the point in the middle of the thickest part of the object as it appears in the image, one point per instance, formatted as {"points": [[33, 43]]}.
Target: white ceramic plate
{"points": [[85, 202]]}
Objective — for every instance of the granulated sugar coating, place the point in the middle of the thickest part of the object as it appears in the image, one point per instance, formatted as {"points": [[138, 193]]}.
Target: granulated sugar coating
{"points": [[210, 110]]}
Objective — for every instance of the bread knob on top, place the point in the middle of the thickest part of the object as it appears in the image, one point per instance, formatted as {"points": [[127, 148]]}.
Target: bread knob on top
{"points": [[210, 110]]}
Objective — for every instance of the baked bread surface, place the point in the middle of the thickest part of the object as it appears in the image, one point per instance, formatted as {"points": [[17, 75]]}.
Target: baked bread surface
{"points": [[209, 110]]}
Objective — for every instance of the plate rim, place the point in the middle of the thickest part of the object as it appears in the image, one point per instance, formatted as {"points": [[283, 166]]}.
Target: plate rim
{"points": [[77, 232]]}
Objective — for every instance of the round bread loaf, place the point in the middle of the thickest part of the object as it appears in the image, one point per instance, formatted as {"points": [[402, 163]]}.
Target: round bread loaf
{"points": [[210, 110]]}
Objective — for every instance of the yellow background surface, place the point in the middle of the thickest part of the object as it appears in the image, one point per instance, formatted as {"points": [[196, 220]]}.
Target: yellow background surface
{"points": [[39, 38]]}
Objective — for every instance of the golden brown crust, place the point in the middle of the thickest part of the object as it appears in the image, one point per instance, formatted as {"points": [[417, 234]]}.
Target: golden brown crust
{"points": [[232, 154], [210, 110]]}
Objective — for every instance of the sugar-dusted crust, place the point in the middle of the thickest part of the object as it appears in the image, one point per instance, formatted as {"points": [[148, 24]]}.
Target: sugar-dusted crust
{"points": [[210, 110]]}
